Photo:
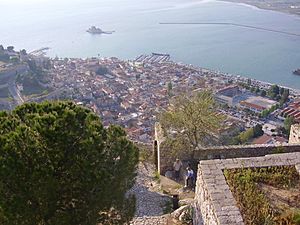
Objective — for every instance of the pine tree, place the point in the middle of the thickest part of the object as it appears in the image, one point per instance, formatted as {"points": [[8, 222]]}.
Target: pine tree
{"points": [[59, 165]]}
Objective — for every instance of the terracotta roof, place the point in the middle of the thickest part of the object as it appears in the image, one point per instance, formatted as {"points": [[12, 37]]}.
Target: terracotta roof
{"points": [[281, 139], [228, 88], [251, 105], [287, 110], [265, 139]]}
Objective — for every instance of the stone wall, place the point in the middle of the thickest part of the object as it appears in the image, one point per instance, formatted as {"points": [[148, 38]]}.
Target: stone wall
{"points": [[166, 157], [214, 202], [158, 144]]}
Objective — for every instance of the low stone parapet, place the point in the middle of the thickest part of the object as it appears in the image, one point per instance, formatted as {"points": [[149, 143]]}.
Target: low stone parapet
{"points": [[223, 152], [214, 202]]}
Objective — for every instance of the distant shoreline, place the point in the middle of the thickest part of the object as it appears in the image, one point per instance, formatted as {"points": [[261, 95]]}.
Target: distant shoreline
{"points": [[270, 5], [233, 24], [242, 78]]}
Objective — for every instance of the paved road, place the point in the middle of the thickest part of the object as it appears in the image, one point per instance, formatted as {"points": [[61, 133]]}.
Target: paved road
{"points": [[13, 90], [50, 96], [12, 87]]}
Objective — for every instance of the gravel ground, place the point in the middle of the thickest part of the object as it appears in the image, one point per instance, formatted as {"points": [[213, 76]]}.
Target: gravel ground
{"points": [[149, 202]]}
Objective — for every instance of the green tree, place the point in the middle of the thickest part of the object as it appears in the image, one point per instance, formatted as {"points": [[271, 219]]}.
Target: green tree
{"points": [[170, 88], [246, 135], [257, 130], [23, 52], [273, 108], [263, 93], [285, 96], [287, 124], [32, 65], [265, 113], [246, 86], [273, 91], [249, 82], [59, 165], [193, 118], [235, 140], [281, 90], [257, 90]]}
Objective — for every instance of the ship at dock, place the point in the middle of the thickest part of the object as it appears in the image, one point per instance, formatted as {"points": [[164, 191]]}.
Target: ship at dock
{"points": [[297, 72], [96, 30]]}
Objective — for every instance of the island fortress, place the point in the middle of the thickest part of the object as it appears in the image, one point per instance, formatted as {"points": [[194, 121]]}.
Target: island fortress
{"points": [[96, 30], [214, 203]]}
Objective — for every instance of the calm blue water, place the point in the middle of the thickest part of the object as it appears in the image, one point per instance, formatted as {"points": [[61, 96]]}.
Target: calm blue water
{"points": [[61, 25]]}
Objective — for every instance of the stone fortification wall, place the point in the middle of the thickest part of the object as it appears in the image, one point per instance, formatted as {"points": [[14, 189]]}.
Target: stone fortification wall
{"points": [[214, 202], [166, 157]]}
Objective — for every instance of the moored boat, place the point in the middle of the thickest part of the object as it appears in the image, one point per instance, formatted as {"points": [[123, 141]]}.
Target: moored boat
{"points": [[297, 72]]}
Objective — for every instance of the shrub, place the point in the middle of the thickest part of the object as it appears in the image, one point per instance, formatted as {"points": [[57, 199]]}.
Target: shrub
{"points": [[252, 201]]}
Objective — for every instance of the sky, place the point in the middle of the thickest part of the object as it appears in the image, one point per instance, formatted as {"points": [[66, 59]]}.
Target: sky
{"points": [[37, 2], [24, 2]]}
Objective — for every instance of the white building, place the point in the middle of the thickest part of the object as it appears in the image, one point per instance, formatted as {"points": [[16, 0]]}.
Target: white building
{"points": [[295, 134]]}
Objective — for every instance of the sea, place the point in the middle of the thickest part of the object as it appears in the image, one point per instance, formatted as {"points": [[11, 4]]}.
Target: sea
{"points": [[61, 25]]}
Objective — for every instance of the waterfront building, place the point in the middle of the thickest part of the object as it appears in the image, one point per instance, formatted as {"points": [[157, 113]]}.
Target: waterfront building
{"points": [[257, 103], [227, 95], [292, 110]]}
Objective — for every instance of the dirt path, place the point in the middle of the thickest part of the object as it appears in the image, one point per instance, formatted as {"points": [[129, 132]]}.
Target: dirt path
{"points": [[149, 200]]}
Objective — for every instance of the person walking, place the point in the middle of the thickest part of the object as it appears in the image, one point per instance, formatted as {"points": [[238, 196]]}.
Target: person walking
{"points": [[177, 166], [189, 180]]}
